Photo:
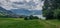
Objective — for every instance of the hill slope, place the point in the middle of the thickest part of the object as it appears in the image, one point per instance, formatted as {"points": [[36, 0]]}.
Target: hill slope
{"points": [[5, 12]]}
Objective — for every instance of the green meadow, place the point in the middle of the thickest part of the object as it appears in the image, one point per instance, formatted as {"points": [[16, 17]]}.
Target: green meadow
{"points": [[21, 23]]}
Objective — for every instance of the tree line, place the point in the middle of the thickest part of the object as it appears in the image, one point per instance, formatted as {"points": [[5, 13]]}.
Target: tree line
{"points": [[51, 9]]}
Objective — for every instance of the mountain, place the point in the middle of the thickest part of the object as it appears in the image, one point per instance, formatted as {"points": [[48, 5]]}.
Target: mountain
{"points": [[23, 11], [4, 12], [36, 12]]}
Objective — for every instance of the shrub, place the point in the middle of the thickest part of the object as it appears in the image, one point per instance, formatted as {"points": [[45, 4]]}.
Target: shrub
{"points": [[35, 17], [25, 18]]}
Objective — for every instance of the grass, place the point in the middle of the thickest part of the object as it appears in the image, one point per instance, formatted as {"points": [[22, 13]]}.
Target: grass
{"points": [[20, 23]]}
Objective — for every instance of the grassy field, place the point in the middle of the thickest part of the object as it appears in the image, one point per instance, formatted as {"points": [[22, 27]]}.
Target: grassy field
{"points": [[20, 23]]}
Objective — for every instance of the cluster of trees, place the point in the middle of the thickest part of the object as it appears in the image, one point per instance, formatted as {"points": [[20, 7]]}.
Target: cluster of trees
{"points": [[31, 17], [51, 9]]}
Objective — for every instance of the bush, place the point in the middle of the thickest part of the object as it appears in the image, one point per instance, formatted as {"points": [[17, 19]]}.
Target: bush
{"points": [[35, 17], [25, 18], [31, 17]]}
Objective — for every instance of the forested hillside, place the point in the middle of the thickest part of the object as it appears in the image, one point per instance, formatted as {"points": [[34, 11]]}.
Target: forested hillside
{"points": [[51, 9]]}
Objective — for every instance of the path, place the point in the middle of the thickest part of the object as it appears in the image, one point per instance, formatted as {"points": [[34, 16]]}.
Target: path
{"points": [[48, 24]]}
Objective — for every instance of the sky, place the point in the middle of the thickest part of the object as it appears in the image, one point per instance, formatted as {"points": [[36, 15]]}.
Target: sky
{"points": [[27, 4]]}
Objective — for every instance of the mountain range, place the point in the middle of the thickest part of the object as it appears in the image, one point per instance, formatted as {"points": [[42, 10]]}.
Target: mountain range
{"points": [[20, 11], [4, 11], [23, 11]]}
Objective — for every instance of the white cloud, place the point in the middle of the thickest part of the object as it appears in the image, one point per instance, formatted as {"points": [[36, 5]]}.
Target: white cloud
{"points": [[35, 5], [16, 0]]}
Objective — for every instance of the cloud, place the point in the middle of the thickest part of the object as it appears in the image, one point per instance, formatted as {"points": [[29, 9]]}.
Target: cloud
{"points": [[28, 4]]}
